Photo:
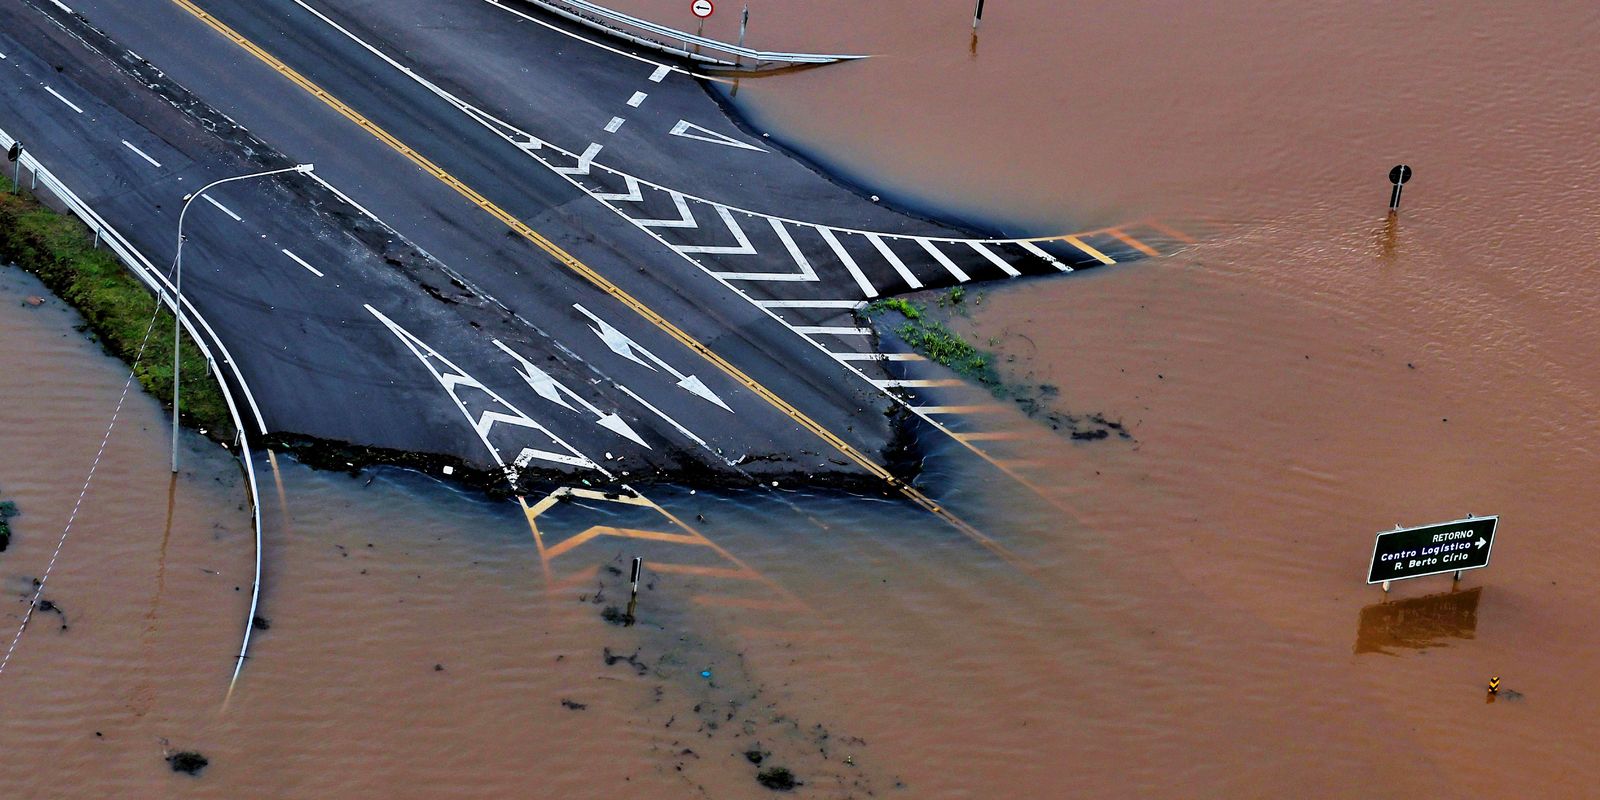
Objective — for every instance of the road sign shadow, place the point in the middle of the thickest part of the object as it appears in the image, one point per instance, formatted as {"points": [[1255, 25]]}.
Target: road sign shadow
{"points": [[1418, 623]]}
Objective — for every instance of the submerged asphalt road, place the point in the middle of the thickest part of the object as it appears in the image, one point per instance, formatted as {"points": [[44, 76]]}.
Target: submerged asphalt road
{"points": [[554, 254]]}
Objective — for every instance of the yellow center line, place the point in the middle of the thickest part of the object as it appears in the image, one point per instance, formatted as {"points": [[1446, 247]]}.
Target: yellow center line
{"points": [[595, 278]]}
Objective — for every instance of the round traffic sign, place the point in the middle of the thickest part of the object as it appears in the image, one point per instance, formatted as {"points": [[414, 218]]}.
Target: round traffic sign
{"points": [[702, 8], [1400, 174]]}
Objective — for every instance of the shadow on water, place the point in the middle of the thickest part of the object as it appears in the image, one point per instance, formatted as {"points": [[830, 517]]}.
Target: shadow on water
{"points": [[1418, 623]]}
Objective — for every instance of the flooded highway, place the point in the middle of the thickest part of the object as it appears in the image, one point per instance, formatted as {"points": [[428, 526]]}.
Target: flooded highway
{"points": [[1190, 618]]}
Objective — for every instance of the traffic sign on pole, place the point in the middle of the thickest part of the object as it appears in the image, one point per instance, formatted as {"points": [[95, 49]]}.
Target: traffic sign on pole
{"points": [[702, 8], [1432, 549]]}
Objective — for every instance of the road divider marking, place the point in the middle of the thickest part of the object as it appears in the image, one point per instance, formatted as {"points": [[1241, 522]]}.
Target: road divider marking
{"points": [[944, 260], [70, 104], [916, 383], [298, 260], [1132, 242], [688, 130], [224, 209], [600, 281], [808, 303], [142, 154], [849, 263], [1045, 257]]}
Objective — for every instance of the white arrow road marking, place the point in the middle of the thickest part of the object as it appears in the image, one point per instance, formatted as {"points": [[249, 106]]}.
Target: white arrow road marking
{"points": [[551, 389], [453, 378], [631, 350], [689, 130]]}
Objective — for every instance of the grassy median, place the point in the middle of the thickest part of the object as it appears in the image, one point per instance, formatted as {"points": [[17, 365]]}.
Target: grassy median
{"points": [[117, 307], [937, 342]]}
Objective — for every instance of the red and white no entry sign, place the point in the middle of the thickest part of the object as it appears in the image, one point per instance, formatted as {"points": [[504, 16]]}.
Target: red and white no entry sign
{"points": [[702, 8]]}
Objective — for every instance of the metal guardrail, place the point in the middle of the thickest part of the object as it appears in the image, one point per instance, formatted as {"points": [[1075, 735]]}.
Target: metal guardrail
{"points": [[164, 291], [672, 40]]}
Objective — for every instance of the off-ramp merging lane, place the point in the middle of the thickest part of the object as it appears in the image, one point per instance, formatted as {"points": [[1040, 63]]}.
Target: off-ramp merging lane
{"points": [[522, 253]]}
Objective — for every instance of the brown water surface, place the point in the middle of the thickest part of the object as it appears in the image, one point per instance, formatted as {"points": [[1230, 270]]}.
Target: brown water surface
{"points": [[1192, 621]]}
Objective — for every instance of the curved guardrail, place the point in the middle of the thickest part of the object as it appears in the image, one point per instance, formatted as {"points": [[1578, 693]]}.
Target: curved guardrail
{"points": [[164, 291], [671, 40]]}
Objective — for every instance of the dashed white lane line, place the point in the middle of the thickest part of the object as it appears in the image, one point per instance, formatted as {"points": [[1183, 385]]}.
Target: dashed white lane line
{"points": [[224, 209], [661, 72], [835, 330], [301, 262], [614, 124], [635, 100], [142, 154], [70, 104]]}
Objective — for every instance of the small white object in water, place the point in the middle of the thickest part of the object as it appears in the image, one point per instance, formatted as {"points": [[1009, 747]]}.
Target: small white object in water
{"points": [[449, 470]]}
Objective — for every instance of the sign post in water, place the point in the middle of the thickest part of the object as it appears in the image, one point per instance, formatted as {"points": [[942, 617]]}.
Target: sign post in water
{"points": [[1398, 176], [1455, 546]]}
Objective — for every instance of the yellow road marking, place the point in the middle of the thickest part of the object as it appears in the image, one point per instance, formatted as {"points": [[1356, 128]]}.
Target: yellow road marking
{"points": [[1132, 242], [706, 572], [748, 604], [1170, 231], [613, 498], [1093, 253], [626, 533], [986, 408], [599, 280], [579, 578], [987, 436]]}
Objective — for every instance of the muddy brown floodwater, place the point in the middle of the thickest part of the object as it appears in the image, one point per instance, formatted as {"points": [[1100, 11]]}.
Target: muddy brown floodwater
{"points": [[1192, 620]]}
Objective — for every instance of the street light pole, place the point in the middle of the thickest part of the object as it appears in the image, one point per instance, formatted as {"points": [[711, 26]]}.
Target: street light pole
{"points": [[177, 285]]}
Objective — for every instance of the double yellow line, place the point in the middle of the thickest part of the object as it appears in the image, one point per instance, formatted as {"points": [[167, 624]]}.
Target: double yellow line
{"points": [[593, 277]]}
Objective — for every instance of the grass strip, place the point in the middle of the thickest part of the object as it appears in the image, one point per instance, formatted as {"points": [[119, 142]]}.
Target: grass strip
{"points": [[60, 250], [935, 341]]}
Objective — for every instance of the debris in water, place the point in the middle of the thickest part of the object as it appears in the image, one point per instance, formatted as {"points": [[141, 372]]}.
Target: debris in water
{"points": [[614, 615], [188, 761], [573, 704], [755, 756], [777, 779], [261, 623]]}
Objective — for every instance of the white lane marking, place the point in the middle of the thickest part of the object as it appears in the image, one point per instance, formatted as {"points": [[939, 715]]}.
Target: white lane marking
{"points": [[689, 130], [70, 104], [614, 124], [849, 263], [583, 161], [142, 154], [661, 72], [994, 259], [631, 350], [809, 303], [1049, 259], [894, 260], [301, 262], [915, 383], [877, 356], [454, 378], [2, 56], [224, 209], [685, 217], [943, 260], [637, 98], [743, 248], [835, 330], [551, 389], [662, 414]]}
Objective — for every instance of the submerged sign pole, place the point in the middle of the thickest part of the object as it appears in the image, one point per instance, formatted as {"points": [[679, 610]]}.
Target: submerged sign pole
{"points": [[977, 15], [1397, 176], [1455, 546]]}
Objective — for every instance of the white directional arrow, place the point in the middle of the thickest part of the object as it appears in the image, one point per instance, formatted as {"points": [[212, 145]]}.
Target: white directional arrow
{"points": [[1482, 542], [631, 350], [689, 130], [550, 389]]}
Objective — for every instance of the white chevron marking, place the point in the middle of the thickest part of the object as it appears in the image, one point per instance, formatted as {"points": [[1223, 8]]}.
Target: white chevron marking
{"points": [[994, 259], [806, 272], [1049, 259], [685, 220], [944, 260], [743, 248], [633, 195], [583, 161]]}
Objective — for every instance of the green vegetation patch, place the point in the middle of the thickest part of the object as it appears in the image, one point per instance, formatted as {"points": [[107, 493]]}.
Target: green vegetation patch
{"points": [[938, 343], [60, 250]]}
